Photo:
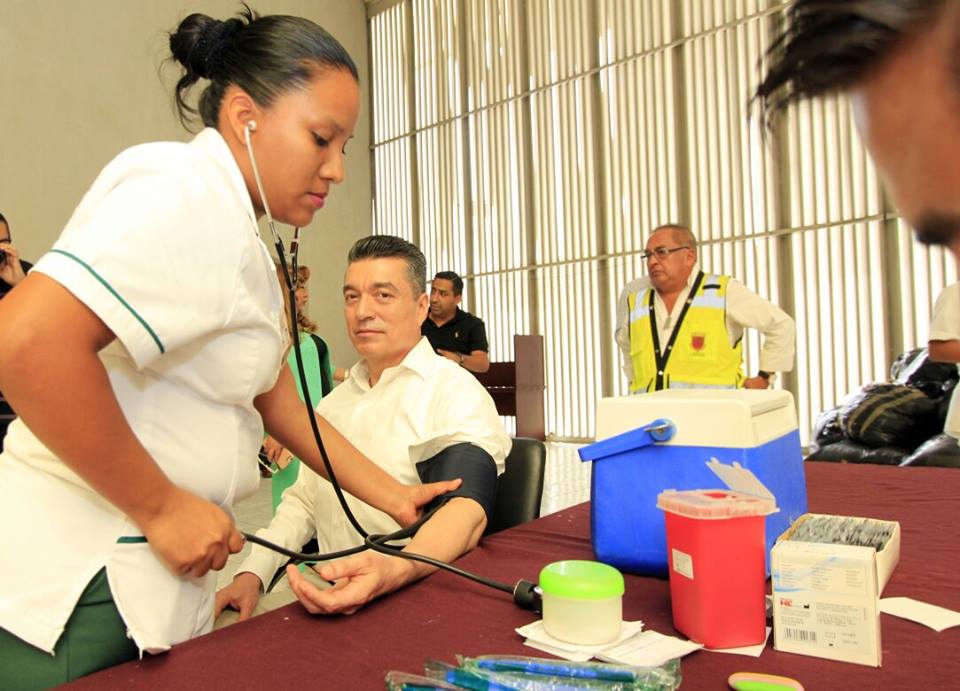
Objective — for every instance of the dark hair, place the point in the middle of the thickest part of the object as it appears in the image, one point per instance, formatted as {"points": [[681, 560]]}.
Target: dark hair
{"points": [[379, 246], [264, 56], [828, 45], [454, 278]]}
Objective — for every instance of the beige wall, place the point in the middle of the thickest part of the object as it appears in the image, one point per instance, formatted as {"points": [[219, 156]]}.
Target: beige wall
{"points": [[81, 81]]}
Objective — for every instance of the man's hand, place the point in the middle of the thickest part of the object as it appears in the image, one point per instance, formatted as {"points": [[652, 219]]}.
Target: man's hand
{"points": [[276, 453], [756, 383], [358, 580], [413, 497], [190, 535], [242, 595], [272, 448], [10, 269]]}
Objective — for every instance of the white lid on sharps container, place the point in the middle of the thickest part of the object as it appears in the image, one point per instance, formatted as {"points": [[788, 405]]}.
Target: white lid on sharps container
{"points": [[746, 496]]}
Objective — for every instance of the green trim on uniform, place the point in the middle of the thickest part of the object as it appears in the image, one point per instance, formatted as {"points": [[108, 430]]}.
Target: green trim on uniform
{"points": [[131, 539], [103, 282], [94, 638]]}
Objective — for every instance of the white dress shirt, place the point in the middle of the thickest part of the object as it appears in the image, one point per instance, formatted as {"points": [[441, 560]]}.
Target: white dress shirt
{"points": [[163, 248], [416, 410], [945, 326], [745, 310]]}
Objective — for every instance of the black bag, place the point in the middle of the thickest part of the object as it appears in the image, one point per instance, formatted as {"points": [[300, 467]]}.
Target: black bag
{"points": [[891, 415], [827, 429], [942, 451], [851, 452], [915, 368]]}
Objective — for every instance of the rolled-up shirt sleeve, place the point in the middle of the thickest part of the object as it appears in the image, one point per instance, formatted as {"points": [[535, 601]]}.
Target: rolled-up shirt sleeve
{"points": [[746, 309], [292, 526]]}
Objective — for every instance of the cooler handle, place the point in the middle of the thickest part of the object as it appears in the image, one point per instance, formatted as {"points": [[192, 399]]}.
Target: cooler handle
{"points": [[660, 430]]}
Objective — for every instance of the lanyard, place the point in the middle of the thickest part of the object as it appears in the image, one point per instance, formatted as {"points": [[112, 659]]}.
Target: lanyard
{"points": [[662, 357]]}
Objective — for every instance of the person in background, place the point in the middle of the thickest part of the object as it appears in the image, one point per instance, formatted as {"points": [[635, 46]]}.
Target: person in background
{"points": [[12, 268], [449, 424], [453, 333], [944, 345], [320, 375], [679, 327], [12, 271]]}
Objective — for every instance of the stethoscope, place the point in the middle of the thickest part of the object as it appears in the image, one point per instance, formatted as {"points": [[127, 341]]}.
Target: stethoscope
{"points": [[525, 594]]}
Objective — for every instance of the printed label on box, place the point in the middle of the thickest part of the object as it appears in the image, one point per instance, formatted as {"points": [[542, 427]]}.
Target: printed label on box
{"points": [[682, 563], [833, 576], [825, 601]]}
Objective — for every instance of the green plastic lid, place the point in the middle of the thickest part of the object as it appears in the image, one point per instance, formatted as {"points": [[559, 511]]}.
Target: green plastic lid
{"points": [[581, 580]]}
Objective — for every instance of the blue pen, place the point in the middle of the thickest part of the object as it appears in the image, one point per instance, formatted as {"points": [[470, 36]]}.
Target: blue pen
{"points": [[557, 669], [469, 680]]}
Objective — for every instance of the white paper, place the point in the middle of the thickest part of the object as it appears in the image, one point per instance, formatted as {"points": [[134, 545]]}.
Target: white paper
{"points": [[749, 650], [648, 649], [937, 618], [537, 633], [571, 655]]}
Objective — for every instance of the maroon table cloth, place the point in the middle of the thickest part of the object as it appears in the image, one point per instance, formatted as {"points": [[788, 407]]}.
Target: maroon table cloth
{"points": [[445, 615]]}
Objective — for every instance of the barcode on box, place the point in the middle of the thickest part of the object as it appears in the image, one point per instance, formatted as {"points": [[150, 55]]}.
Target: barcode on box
{"points": [[800, 635]]}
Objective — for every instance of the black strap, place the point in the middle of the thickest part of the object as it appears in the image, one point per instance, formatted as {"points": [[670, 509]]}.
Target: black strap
{"points": [[661, 358], [326, 386]]}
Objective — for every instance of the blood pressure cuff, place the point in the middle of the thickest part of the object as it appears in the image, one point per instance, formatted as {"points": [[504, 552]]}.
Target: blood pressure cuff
{"points": [[471, 463]]}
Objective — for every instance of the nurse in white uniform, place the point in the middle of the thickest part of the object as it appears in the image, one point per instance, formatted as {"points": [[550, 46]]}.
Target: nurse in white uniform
{"points": [[144, 357]]}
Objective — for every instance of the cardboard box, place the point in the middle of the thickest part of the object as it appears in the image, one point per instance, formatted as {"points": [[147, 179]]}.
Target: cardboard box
{"points": [[887, 557], [826, 601]]}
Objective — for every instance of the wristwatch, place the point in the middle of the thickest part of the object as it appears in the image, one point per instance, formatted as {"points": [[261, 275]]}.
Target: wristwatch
{"points": [[769, 376]]}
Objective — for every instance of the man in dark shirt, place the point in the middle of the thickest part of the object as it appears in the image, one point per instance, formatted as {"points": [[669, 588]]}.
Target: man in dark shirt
{"points": [[12, 271], [453, 333]]}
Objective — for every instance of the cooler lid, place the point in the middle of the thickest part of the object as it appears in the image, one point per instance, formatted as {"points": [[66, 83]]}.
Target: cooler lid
{"points": [[744, 418]]}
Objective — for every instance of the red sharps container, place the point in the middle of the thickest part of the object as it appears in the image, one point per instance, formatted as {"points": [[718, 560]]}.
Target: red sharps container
{"points": [[716, 559]]}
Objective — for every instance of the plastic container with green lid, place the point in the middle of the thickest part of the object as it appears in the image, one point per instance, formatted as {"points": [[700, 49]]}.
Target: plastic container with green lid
{"points": [[582, 601]]}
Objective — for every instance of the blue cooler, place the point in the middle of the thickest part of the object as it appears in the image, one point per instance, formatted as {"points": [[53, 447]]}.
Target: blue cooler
{"points": [[639, 458]]}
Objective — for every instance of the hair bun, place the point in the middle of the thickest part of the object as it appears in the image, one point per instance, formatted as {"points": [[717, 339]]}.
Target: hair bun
{"points": [[200, 41], [211, 43]]}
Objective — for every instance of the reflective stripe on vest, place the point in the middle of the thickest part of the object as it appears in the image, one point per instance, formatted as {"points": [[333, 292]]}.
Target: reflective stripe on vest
{"points": [[698, 354]]}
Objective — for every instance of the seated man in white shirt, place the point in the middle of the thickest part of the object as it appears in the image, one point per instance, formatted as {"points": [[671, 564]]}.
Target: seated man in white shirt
{"points": [[401, 405]]}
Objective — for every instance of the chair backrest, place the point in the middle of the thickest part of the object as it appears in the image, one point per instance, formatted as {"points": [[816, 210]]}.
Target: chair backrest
{"points": [[520, 488]]}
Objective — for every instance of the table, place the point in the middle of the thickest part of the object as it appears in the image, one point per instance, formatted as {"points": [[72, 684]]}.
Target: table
{"points": [[445, 615]]}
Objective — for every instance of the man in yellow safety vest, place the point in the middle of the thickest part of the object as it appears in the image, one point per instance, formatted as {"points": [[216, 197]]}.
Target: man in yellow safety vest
{"points": [[679, 327]]}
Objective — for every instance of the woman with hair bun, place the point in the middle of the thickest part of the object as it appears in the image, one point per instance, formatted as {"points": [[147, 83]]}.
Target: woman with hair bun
{"points": [[144, 354]]}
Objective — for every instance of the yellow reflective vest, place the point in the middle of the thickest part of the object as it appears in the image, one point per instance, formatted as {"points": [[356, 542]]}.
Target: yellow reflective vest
{"points": [[698, 354]]}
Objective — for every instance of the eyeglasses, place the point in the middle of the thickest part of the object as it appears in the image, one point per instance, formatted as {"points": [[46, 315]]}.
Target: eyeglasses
{"points": [[662, 253]]}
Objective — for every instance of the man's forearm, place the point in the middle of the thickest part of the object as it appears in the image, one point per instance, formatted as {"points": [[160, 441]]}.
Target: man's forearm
{"points": [[944, 351], [453, 531], [477, 361]]}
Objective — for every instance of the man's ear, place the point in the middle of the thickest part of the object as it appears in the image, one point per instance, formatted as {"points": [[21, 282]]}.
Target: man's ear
{"points": [[423, 306]]}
